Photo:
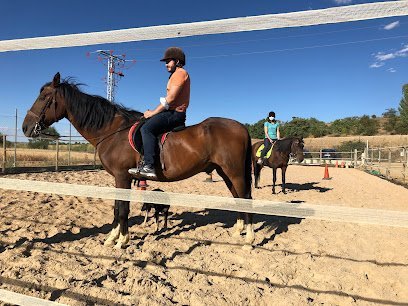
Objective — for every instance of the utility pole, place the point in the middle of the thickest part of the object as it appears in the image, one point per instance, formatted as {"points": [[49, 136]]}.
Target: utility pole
{"points": [[114, 63]]}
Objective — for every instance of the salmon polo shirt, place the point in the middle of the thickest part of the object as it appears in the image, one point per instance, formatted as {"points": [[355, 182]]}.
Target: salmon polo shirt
{"points": [[181, 78]]}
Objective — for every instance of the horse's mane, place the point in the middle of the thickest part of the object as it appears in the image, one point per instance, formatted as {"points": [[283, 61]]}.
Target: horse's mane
{"points": [[92, 111], [284, 145]]}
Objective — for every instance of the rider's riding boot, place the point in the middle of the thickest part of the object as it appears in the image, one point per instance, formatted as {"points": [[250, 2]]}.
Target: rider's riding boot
{"points": [[148, 172]]}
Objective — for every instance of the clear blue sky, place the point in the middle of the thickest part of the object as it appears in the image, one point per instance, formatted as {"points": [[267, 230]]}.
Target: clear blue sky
{"points": [[241, 76]]}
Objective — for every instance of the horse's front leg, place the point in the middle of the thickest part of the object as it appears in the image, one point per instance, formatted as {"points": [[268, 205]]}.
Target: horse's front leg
{"points": [[273, 180], [250, 234], [239, 226], [283, 179], [119, 236]]}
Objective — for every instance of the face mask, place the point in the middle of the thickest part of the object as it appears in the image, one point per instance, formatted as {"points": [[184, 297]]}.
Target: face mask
{"points": [[271, 118]]}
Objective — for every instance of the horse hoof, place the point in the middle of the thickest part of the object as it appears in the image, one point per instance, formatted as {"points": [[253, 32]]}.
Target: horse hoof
{"points": [[236, 235], [247, 247], [109, 243], [119, 246]]}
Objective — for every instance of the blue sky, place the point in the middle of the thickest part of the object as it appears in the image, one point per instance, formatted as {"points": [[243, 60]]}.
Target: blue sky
{"points": [[326, 71]]}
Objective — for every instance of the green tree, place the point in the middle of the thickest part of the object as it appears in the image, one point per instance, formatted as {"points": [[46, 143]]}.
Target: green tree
{"points": [[345, 126], [318, 128], [299, 127], [256, 130], [391, 120], [347, 146], [366, 126], [402, 125], [44, 141]]}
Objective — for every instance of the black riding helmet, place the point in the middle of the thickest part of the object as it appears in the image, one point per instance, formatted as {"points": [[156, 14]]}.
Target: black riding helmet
{"points": [[174, 53]]}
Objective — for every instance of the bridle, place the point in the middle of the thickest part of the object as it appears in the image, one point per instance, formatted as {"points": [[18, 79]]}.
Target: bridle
{"points": [[39, 124], [297, 142]]}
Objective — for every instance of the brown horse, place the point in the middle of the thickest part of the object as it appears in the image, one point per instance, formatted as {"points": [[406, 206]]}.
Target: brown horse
{"points": [[279, 158], [216, 143]]}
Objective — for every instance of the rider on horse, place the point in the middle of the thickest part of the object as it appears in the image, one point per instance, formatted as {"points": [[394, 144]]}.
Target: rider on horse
{"points": [[170, 113], [272, 133]]}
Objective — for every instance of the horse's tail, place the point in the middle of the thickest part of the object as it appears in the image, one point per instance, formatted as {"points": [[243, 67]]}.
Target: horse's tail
{"points": [[248, 169]]}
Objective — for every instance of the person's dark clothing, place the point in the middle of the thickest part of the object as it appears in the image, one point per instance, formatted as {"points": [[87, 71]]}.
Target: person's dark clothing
{"points": [[154, 126]]}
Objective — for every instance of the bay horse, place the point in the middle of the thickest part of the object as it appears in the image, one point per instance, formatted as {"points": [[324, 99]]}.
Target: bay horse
{"points": [[217, 144], [279, 158]]}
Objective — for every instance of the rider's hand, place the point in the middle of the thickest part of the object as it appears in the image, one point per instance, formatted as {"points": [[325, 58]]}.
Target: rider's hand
{"points": [[148, 114]]}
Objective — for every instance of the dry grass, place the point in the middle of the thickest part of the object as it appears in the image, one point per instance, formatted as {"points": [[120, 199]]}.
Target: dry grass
{"points": [[38, 157]]}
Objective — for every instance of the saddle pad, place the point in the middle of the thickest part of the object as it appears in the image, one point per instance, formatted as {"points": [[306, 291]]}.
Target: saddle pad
{"points": [[134, 137], [258, 152]]}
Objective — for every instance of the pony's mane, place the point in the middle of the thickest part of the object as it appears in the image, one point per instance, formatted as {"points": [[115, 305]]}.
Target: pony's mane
{"points": [[92, 111], [284, 145]]}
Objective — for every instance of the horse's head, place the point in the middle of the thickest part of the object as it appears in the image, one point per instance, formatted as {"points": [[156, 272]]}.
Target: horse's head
{"points": [[297, 149], [47, 109]]}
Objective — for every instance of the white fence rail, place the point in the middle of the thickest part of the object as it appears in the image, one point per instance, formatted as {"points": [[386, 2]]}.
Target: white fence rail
{"points": [[252, 23], [302, 210]]}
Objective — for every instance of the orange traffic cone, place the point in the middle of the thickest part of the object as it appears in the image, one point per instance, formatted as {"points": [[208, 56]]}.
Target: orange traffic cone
{"points": [[342, 164], [337, 164], [141, 184], [326, 173]]}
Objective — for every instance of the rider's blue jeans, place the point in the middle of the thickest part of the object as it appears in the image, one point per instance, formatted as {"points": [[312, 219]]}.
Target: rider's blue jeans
{"points": [[156, 125]]}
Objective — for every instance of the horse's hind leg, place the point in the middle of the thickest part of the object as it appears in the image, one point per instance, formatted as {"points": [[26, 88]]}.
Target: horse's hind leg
{"points": [[257, 173], [239, 226], [236, 185]]}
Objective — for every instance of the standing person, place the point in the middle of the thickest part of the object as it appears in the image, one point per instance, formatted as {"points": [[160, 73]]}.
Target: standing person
{"points": [[272, 133], [170, 113]]}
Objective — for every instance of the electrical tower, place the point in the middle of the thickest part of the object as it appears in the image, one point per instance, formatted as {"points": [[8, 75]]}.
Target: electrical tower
{"points": [[114, 63]]}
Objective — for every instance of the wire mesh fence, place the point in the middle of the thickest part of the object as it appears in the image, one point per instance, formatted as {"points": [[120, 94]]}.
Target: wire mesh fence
{"points": [[19, 152], [391, 162]]}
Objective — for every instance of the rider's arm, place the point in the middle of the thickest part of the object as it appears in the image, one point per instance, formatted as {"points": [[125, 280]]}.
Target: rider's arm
{"points": [[278, 132], [266, 133], [150, 113], [173, 93], [171, 96]]}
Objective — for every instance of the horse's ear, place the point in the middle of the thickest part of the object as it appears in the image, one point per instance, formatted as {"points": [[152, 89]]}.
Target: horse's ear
{"points": [[56, 80]]}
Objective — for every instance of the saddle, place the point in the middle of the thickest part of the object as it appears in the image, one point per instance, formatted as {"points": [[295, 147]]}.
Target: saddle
{"points": [[136, 142], [259, 151]]}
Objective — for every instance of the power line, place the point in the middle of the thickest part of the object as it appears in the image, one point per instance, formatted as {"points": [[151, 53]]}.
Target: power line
{"points": [[289, 49]]}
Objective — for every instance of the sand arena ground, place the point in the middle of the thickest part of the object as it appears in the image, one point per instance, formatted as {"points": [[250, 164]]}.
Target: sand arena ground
{"points": [[52, 247]]}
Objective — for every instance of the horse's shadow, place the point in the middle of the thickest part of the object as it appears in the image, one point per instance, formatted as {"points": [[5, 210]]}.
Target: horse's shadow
{"points": [[277, 223], [68, 236], [190, 221], [193, 220], [294, 187]]}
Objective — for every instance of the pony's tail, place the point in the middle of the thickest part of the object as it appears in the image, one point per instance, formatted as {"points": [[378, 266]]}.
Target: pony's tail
{"points": [[248, 169]]}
